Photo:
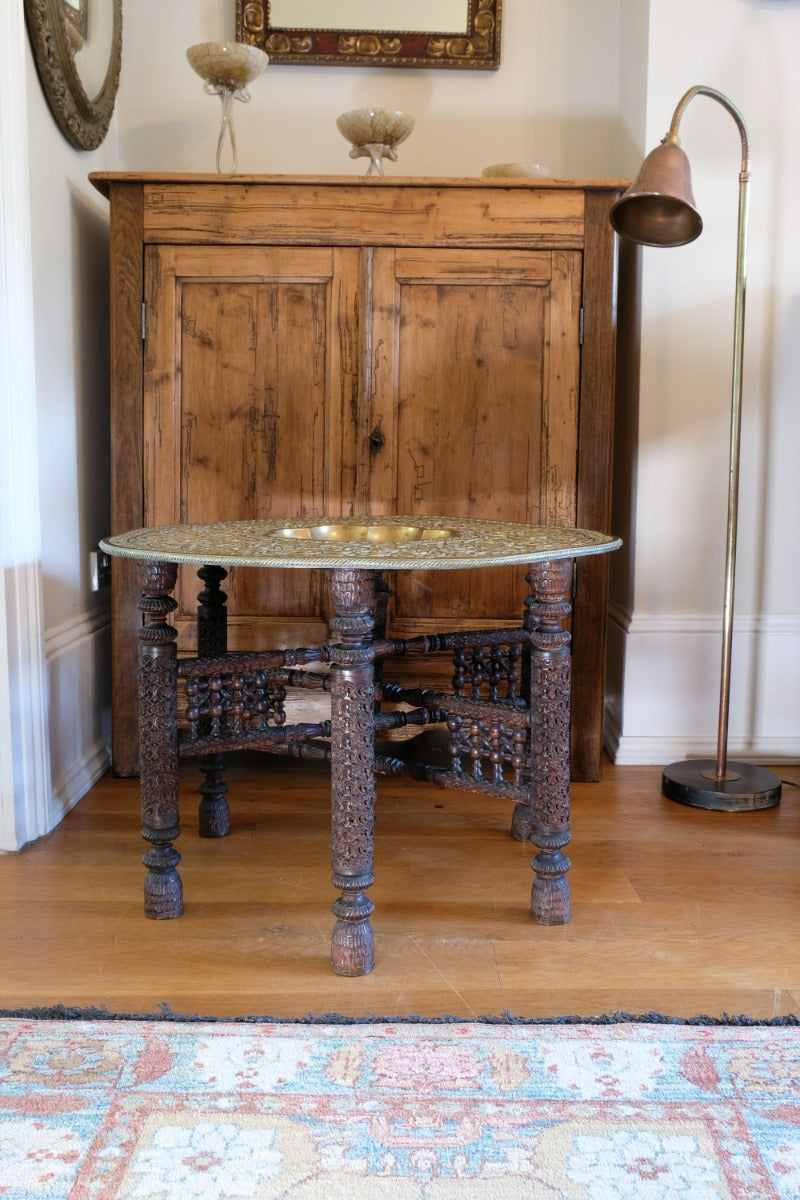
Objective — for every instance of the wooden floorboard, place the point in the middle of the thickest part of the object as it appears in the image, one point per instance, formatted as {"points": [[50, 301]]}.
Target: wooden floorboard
{"points": [[675, 910]]}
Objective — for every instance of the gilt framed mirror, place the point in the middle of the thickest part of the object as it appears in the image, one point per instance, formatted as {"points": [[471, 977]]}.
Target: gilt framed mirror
{"points": [[77, 46], [402, 33]]}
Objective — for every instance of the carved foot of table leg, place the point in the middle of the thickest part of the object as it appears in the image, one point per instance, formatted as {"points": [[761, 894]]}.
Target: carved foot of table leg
{"points": [[352, 942], [550, 896], [163, 892], [213, 813], [522, 823]]}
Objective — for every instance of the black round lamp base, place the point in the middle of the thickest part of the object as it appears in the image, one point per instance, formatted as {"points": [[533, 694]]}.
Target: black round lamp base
{"points": [[744, 788]]}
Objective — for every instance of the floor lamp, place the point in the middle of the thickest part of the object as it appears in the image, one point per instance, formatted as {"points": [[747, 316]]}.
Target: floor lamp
{"points": [[658, 209]]}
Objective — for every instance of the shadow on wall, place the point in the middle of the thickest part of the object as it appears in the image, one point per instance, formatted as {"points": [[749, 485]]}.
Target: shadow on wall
{"points": [[626, 426], [90, 276]]}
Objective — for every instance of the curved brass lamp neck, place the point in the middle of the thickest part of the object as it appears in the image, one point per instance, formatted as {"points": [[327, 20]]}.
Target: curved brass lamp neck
{"points": [[701, 89]]}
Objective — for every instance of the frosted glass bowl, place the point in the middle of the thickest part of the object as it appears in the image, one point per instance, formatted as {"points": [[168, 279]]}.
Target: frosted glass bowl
{"points": [[227, 68], [228, 65], [374, 133], [517, 170]]}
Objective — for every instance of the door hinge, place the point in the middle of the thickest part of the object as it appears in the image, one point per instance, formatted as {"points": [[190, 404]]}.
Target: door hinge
{"points": [[580, 326], [144, 321]]}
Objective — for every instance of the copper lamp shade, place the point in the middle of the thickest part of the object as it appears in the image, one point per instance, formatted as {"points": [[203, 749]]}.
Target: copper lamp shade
{"points": [[658, 208]]}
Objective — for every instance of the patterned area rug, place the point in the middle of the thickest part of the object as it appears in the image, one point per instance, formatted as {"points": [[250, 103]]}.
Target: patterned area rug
{"points": [[166, 1110]]}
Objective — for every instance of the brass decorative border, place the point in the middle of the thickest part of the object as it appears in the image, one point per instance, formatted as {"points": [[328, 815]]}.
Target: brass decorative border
{"points": [[470, 543], [478, 49], [83, 121]]}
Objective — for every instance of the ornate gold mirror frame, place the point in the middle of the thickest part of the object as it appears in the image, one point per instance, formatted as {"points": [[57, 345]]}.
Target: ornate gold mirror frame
{"points": [[476, 45], [83, 121]]}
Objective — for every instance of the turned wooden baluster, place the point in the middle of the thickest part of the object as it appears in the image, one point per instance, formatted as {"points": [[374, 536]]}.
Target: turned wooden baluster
{"points": [[212, 642], [158, 753], [545, 821], [352, 768]]}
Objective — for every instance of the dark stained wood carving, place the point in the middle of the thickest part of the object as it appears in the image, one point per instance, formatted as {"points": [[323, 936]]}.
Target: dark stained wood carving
{"points": [[507, 722], [212, 641], [158, 730], [352, 768], [547, 608]]}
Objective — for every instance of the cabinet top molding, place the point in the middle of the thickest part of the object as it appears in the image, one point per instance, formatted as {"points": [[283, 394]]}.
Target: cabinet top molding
{"points": [[352, 211], [103, 180]]}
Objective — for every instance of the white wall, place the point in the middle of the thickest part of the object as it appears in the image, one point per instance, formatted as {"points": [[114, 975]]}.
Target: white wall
{"points": [[24, 757], [70, 294], [55, 470], [665, 633], [553, 100]]}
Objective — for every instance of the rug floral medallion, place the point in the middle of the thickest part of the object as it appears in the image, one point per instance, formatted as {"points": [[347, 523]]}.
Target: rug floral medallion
{"points": [[155, 1110]]}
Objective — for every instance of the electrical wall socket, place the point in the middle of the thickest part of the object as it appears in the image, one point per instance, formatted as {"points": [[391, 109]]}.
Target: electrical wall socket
{"points": [[99, 570]]}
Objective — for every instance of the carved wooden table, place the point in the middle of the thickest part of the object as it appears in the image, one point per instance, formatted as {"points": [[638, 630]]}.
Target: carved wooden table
{"points": [[507, 718]]}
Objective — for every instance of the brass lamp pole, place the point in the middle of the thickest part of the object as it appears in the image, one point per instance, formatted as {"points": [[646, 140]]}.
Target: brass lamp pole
{"points": [[658, 209]]}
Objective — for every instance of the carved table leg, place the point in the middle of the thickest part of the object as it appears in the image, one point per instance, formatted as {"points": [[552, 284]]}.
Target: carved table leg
{"points": [[546, 821], [212, 642], [352, 768], [158, 734]]}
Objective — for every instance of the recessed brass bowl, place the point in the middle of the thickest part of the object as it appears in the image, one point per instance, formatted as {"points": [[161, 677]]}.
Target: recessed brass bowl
{"points": [[364, 533]]}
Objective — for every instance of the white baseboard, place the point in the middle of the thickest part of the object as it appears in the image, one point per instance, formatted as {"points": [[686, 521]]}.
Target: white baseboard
{"points": [[663, 688], [77, 657], [79, 778], [641, 750]]}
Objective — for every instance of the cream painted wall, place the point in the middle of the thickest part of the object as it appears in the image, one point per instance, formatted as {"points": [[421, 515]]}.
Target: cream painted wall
{"points": [[554, 99], [665, 633], [68, 231], [70, 276]]}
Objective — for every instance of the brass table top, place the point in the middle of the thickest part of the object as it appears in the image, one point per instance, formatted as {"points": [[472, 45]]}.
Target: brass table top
{"points": [[381, 543]]}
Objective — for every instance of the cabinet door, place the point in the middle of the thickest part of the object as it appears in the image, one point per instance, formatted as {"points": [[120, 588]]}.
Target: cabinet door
{"points": [[251, 401], [474, 387]]}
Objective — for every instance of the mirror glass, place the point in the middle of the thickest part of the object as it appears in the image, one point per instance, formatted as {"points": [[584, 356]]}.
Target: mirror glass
{"points": [[423, 16], [91, 58]]}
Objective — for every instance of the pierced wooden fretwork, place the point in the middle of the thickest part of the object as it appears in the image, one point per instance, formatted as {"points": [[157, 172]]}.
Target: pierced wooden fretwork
{"points": [[488, 672], [506, 725]]}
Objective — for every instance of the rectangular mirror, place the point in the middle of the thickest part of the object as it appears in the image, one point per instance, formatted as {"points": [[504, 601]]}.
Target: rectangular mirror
{"points": [[405, 33]]}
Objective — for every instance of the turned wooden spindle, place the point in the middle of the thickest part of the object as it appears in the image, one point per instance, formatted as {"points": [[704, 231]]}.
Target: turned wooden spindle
{"points": [[352, 768], [545, 821], [158, 728]]}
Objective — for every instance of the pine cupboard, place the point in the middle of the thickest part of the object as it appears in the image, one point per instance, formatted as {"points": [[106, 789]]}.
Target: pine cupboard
{"points": [[300, 346]]}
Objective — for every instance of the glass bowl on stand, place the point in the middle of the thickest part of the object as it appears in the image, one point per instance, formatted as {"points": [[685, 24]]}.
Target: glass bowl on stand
{"points": [[374, 133], [227, 68]]}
